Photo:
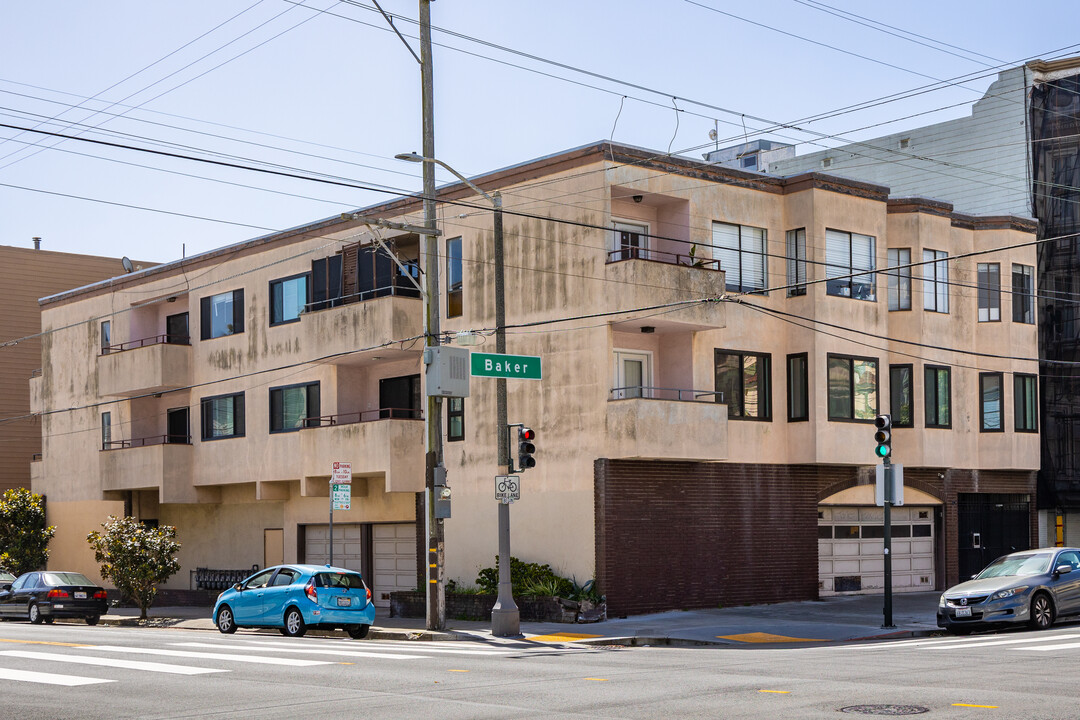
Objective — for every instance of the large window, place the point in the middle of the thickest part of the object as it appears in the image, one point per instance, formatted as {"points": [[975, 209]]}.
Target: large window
{"points": [[223, 416], [741, 250], [222, 314], [935, 281], [845, 254], [1023, 299], [989, 292], [936, 395], [853, 388], [630, 241], [454, 278], [798, 388], [1025, 407], [106, 430], [288, 297], [292, 406], [900, 279], [455, 419], [327, 282], [745, 380], [990, 410], [901, 396], [796, 262]]}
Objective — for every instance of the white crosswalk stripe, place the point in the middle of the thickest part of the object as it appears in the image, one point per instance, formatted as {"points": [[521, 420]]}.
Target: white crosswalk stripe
{"points": [[48, 678], [109, 662], [306, 650], [1037, 641], [231, 657], [367, 649]]}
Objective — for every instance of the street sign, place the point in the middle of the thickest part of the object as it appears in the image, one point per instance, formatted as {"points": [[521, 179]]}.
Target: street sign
{"points": [[341, 473], [342, 493], [520, 367], [897, 485], [507, 488]]}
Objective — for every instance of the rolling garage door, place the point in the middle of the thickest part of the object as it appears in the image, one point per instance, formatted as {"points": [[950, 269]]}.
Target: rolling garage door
{"points": [[393, 554], [851, 549]]}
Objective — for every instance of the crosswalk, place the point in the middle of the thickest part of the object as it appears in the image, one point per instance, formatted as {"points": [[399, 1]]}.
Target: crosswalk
{"points": [[1019, 642], [52, 665]]}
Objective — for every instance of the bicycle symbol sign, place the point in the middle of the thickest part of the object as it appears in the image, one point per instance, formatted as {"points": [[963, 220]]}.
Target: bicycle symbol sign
{"points": [[507, 488]]}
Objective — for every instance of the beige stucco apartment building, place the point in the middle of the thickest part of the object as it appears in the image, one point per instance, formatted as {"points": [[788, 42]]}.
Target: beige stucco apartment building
{"points": [[715, 346]]}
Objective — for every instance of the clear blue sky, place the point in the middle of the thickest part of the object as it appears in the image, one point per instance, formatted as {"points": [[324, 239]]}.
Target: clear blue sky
{"points": [[337, 93]]}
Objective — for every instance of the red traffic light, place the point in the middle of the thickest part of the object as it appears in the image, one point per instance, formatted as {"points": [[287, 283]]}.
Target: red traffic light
{"points": [[526, 434]]}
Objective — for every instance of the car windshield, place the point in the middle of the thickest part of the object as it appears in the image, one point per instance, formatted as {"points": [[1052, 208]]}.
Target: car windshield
{"points": [[1019, 565], [341, 580], [65, 578]]}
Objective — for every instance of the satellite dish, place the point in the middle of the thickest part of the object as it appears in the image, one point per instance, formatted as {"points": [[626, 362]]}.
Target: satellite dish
{"points": [[126, 262], [713, 135]]}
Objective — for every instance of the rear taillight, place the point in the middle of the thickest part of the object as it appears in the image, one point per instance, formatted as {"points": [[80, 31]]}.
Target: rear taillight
{"points": [[309, 590], [57, 593], [101, 595], [368, 591]]}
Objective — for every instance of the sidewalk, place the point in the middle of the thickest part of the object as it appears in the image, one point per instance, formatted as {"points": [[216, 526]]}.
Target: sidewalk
{"points": [[833, 619]]}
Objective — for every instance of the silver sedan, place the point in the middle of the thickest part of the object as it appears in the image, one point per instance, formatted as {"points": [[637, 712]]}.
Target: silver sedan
{"points": [[1034, 587]]}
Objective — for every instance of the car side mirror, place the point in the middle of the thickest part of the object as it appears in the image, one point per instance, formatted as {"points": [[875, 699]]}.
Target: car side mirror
{"points": [[1062, 569], [238, 587], [6, 587]]}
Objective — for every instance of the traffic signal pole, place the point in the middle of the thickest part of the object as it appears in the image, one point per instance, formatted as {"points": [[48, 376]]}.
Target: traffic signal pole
{"points": [[888, 542]]}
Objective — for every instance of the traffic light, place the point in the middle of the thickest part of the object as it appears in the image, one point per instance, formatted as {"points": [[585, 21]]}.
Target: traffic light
{"points": [[526, 448], [883, 436]]}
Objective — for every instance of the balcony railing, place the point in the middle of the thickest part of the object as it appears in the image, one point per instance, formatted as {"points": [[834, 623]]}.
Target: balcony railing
{"points": [[367, 416], [36, 457], [143, 442], [144, 342], [660, 393], [662, 256], [36, 373], [399, 288]]}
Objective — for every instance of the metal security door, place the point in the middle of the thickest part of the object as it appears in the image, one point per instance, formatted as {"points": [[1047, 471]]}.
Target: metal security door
{"points": [[990, 525]]}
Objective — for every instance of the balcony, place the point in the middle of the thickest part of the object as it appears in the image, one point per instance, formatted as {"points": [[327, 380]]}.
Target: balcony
{"points": [[37, 387], [154, 364], [358, 326], [387, 442], [666, 424], [654, 276], [159, 462]]}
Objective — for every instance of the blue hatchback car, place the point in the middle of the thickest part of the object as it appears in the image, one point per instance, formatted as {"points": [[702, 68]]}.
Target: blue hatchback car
{"points": [[294, 598]]}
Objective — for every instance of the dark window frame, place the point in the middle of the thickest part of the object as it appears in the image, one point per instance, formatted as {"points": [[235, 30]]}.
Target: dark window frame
{"points": [[453, 414], [834, 286], [205, 418], [206, 322], [106, 429], [764, 390], [937, 424], [273, 298], [935, 274], [311, 407], [851, 359], [739, 252], [897, 279], [791, 389], [796, 261], [1021, 424], [455, 278], [989, 294], [983, 377], [1023, 298], [897, 419]]}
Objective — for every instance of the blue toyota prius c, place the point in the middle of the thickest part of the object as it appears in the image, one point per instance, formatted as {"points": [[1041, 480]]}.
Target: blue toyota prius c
{"points": [[295, 598]]}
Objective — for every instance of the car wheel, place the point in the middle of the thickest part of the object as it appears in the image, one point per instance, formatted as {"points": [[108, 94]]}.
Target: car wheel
{"points": [[294, 623], [48, 620], [34, 613], [1042, 612], [92, 619], [357, 632], [226, 623]]}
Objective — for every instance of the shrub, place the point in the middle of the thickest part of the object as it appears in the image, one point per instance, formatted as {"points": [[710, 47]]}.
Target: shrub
{"points": [[527, 578], [24, 537], [135, 557]]}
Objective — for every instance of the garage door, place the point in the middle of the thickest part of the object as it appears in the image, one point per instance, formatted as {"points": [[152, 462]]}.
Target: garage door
{"points": [[395, 560], [851, 548], [348, 551]]}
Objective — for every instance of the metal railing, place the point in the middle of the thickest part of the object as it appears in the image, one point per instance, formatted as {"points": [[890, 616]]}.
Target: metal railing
{"points": [[145, 342], [215, 579], [659, 393], [367, 416], [399, 288], [145, 441], [36, 373], [36, 457], [662, 256]]}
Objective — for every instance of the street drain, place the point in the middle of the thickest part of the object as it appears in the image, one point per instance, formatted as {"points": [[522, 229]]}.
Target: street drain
{"points": [[886, 709]]}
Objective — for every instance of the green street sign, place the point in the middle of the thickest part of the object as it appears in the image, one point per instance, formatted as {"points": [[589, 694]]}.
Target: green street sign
{"points": [[521, 367]]}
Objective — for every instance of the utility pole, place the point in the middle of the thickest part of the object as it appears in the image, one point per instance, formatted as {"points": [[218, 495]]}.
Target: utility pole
{"points": [[436, 588]]}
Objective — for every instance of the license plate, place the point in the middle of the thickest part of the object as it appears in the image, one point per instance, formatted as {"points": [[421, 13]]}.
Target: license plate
{"points": [[80, 595], [344, 602], [963, 612], [58, 607]]}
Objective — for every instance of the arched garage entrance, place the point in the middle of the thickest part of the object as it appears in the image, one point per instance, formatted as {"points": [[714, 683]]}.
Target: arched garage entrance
{"points": [[851, 542]]}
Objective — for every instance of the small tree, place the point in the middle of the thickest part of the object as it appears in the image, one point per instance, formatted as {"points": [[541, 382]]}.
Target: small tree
{"points": [[24, 537], [135, 557]]}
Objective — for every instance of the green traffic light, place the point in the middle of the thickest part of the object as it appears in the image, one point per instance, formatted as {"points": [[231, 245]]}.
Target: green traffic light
{"points": [[883, 451]]}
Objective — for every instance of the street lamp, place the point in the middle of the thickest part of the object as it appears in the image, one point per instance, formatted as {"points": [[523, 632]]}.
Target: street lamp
{"points": [[505, 617]]}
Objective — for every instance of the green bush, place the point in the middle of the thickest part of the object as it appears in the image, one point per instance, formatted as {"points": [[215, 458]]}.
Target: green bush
{"points": [[24, 536], [527, 579], [453, 586]]}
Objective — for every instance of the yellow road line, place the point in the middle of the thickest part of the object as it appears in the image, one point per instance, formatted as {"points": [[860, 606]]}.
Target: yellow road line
{"points": [[778, 692], [598, 679], [987, 707], [760, 637], [457, 671], [43, 642]]}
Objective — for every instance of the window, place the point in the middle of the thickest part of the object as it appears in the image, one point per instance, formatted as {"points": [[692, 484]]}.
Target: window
{"points": [[990, 415], [399, 397], [176, 329], [1023, 299], [259, 580], [847, 253], [796, 262], [629, 241], [106, 430], [1025, 403], [900, 279], [741, 251], [935, 281], [223, 417], [936, 392], [327, 282], [292, 406], [633, 375], [798, 393], [853, 388], [748, 161], [285, 576], [288, 298], [745, 379], [106, 337], [222, 314], [901, 396], [454, 280], [455, 419], [989, 292]]}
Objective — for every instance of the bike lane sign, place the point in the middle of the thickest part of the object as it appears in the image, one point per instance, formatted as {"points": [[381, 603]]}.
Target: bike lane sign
{"points": [[507, 488]]}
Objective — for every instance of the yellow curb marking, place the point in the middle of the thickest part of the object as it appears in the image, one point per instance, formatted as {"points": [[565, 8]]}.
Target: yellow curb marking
{"points": [[345, 663], [562, 637], [988, 707], [43, 642], [759, 637], [778, 692], [598, 679], [457, 671]]}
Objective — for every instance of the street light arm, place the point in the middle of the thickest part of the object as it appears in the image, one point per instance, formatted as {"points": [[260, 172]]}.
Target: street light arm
{"points": [[413, 157]]}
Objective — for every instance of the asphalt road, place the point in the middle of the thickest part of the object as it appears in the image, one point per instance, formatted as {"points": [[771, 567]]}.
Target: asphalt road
{"points": [[75, 671]]}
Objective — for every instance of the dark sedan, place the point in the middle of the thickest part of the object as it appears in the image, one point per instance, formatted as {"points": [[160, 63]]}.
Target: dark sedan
{"points": [[42, 596]]}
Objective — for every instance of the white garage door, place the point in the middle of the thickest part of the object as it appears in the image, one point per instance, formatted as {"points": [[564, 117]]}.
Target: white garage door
{"points": [[348, 552], [395, 560], [851, 549]]}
